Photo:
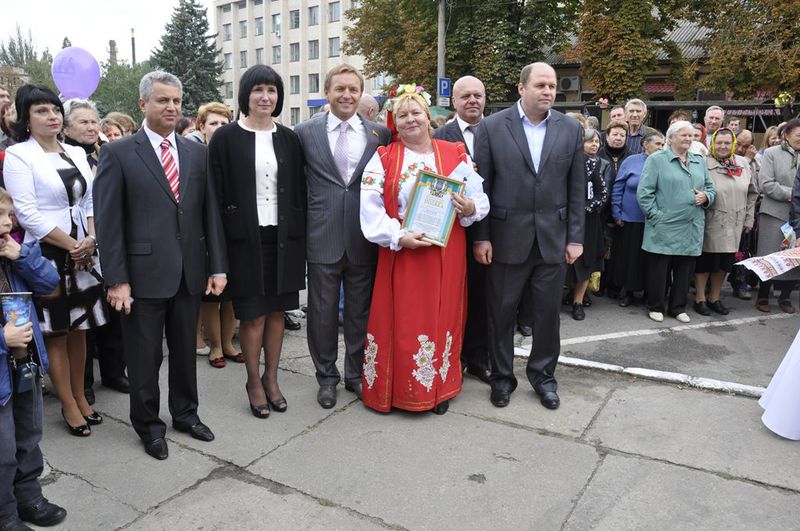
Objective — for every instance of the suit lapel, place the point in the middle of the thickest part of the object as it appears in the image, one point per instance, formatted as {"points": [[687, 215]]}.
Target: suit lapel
{"points": [[518, 134], [184, 162], [550, 138], [373, 140], [324, 149], [148, 155]]}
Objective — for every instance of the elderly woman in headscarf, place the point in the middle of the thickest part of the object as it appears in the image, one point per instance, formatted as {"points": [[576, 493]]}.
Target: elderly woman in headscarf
{"points": [[674, 191], [731, 213]]}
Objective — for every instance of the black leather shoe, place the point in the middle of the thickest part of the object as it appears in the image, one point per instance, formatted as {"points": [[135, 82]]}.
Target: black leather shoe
{"points": [[500, 398], [326, 396], [718, 308], [354, 387], [441, 408], [157, 448], [549, 399], [13, 524], [120, 384], [478, 372], [587, 301], [289, 323], [43, 514], [702, 308], [199, 431], [626, 300], [525, 330], [577, 312], [88, 392]]}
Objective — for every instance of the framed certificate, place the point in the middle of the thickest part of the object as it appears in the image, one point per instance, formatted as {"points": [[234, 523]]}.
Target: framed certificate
{"points": [[430, 210]]}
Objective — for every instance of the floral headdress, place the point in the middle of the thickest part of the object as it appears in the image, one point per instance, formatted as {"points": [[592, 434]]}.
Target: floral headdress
{"points": [[400, 93]]}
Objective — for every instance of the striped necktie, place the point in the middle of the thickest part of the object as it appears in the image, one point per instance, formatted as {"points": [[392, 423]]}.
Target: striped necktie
{"points": [[170, 168]]}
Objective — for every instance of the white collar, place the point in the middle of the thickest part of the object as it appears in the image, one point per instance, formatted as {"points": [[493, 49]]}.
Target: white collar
{"points": [[525, 116], [334, 121], [463, 124], [156, 139]]}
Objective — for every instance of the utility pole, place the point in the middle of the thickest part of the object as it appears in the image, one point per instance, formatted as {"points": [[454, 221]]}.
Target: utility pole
{"points": [[440, 47], [133, 48]]}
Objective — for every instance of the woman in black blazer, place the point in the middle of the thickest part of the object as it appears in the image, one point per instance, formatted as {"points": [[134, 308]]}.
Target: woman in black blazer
{"points": [[257, 168]]}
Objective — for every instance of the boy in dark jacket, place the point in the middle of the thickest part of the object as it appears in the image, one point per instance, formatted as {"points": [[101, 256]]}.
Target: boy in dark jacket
{"points": [[22, 353]]}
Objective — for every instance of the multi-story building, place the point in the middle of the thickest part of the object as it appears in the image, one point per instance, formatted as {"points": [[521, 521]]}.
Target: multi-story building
{"points": [[300, 39]]}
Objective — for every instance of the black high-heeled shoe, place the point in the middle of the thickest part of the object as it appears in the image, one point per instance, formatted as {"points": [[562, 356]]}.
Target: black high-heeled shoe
{"points": [[77, 431], [94, 419], [259, 412], [278, 405]]}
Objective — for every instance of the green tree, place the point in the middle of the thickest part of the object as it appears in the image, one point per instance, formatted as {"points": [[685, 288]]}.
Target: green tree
{"points": [[66, 43], [187, 51], [618, 41], [20, 52], [491, 39], [119, 88], [754, 46]]}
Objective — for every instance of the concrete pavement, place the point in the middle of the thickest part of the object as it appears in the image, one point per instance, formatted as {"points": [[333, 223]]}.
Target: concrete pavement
{"points": [[620, 453]]}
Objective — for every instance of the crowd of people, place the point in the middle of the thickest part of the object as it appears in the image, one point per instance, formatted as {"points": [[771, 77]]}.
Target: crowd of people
{"points": [[129, 233]]}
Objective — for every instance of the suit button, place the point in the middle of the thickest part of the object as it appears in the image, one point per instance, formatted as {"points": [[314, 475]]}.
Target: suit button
{"points": [[281, 218], [178, 237], [180, 211], [280, 189], [280, 245]]}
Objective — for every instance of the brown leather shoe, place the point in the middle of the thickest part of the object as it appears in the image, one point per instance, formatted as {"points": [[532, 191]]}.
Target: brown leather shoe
{"points": [[786, 306], [762, 305]]}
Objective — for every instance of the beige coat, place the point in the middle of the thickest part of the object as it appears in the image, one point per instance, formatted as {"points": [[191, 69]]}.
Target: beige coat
{"points": [[733, 208]]}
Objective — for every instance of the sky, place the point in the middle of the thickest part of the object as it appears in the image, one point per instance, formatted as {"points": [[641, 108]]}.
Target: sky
{"points": [[90, 24]]}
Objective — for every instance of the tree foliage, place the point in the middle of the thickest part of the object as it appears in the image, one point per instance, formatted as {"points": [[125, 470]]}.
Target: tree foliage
{"points": [[618, 41], [20, 52], [491, 39], [754, 46], [119, 88], [188, 51]]}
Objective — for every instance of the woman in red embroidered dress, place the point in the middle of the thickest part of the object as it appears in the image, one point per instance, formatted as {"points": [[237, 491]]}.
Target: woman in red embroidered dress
{"points": [[416, 322]]}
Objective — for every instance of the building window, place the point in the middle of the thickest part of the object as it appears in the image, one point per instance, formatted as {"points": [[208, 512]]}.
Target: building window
{"points": [[294, 52], [259, 2], [226, 8], [313, 15], [276, 55], [243, 4], [259, 56], [313, 49], [227, 61], [229, 90], [294, 84], [276, 24], [227, 32], [356, 4], [243, 59], [333, 47], [314, 110], [295, 116], [242, 29], [313, 82], [294, 19], [260, 26], [334, 12]]}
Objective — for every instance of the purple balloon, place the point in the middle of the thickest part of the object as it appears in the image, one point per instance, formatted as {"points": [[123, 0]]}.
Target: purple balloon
{"points": [[75, 72]]}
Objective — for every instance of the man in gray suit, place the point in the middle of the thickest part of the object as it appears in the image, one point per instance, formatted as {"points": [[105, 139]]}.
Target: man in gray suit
{"points": [[337, 145], [531, 159]]}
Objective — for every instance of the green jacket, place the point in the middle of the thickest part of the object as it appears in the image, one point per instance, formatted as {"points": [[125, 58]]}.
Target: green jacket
{"points": [[673, 223]]}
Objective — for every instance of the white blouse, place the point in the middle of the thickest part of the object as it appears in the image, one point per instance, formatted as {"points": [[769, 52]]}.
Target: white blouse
{"points": [[376, 224], [266, 176]]}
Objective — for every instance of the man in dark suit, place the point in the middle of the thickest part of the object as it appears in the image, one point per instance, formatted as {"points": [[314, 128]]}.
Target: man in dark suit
{"points": [[531, 159], [469, 99], [337, 145], [159, 229]]}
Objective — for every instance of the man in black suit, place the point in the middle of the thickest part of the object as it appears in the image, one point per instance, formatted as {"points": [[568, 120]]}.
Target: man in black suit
{"points": [[159, 228], [469, 99], [531, 159]]}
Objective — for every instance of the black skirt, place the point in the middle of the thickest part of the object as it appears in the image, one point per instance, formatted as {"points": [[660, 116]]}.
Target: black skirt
{"points": [[628, 258], [593, 250], [713, 262], [252, 307]]}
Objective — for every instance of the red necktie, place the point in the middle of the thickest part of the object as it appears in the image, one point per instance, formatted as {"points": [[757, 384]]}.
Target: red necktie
{"points": [[170, 168]]}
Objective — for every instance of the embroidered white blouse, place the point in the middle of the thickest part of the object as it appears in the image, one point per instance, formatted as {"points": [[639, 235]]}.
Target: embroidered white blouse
{"points": [[376, 224]]}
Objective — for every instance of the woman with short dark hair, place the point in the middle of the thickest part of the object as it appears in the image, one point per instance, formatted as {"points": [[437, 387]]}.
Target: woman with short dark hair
{"points": [[263, 208]]}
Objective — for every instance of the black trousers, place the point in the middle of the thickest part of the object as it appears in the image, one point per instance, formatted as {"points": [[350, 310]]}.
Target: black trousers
{"points": [[506, 284], [105, 344], [21, 461], [475, 349], [658, 268], [142, 334]]}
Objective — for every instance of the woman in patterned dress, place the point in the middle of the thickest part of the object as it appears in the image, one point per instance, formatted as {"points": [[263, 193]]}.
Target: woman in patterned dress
{"points": [[51, 185], [416, 323]]}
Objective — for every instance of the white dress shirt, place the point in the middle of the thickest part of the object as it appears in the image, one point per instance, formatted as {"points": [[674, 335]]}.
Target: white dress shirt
{"points": [[535, 135], [266, 176], [356, 140], [155, 141], [469, 136]]}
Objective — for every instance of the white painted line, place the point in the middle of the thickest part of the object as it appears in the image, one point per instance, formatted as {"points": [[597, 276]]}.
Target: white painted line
{"points": [[679, 328]]}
